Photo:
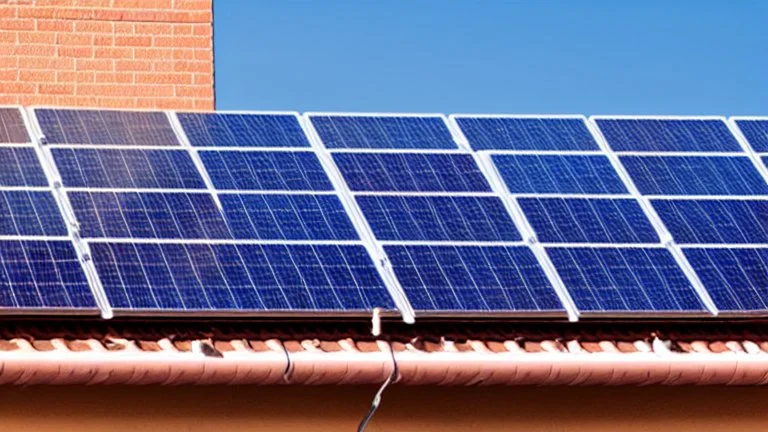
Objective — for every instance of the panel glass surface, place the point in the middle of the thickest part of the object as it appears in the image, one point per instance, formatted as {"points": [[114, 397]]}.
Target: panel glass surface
{"points": [[517, 133], [694, 175], [12, 128], [668, 135], [625, 280], [287, 217], [20, 166], [736, 278], [127, 168], [571, 174], [30, 213], [438, 218], [756, 133], [42, 275], [239, 277], [715, 221], [411, 172], [383, 132], [243, 130], [472, 278], [82, 126], [265, 170], [583, 220]]}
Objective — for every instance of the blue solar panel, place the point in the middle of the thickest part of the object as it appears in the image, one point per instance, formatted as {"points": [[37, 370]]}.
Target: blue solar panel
{"points": [[694, 175], [243, 130], [30, 213], [148, 215], [578, 220], [287, 217], [12, 128], [227, 277], [756, 133], [42, 275], [710, 221], [411, 172], [736, 279], [472, 278], [625, 280], [75, 126], [111, 168], [660, 135], [383, 132], [521, 133], [559, 174], [19, 166], [260, 170], [438, 218]]}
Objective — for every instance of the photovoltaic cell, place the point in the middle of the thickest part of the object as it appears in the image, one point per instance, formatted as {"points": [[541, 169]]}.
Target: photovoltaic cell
{"points": [[243, 130], [287, 217], [20, 166], [564, 174], [670, 135], [694, 175], [519, 133], [148, 215], [383, 132], [242, 277], [265, 170], [472, 278], [438, 218], [736, 278], [580, 220], [30, 213], [124, 168], [411, 172], [76, 126], [625, 280], [12, 128], [715, 221], [756, 133], [42, 275]]}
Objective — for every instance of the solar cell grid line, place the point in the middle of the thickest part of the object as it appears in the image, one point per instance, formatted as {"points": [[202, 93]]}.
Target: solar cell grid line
{"points": [[234, 129], [104, 127], [13, 126], [382, 131], [752, 133]]}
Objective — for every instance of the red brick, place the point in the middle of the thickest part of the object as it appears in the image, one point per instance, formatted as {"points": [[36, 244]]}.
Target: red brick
{"points": [[95, 64], [9, 61], [153, 28], [104, 40], [204, 104], [133, 41], [94, 26], [164, 66], [153, 53], [57, 89], [184, 54], [8, 11], [163, 78], [125, 28], [37, 75], [113, 53], [17, 87], [17, 24], [192, 91], [10, 36], [204, 55], [75, 13], [183, 41], [133, 65], [9, 74], [55, 25], [36, 12], [193, 4], [203, 30], [89, 101], [117, 77], [79, 52], [46, 63], [142, 4], [116, 102], [206, 79], [35, 38], [35, 50], [37, 99], [9, 99], [182, 29], [74, 39]]}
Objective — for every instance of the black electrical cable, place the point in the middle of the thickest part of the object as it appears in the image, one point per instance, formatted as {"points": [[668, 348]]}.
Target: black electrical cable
{"points": [[377, 398]]}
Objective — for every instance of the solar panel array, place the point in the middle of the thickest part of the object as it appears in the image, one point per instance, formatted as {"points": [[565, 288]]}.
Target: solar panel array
{"points": [[448, 236], [597, 235], [221, 213], [709, 194]]}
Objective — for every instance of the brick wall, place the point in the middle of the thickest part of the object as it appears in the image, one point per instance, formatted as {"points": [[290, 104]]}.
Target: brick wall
{"points": [[107, 53]]}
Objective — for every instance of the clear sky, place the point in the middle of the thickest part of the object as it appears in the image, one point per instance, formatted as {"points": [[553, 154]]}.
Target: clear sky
{"points": [[451, 56]]}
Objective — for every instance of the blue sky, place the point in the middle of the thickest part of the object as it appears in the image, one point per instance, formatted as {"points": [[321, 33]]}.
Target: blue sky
{"points": [[591, 57]]}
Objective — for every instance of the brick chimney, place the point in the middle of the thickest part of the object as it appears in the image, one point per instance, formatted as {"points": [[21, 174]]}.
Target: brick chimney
{"points": [[107, 53]]}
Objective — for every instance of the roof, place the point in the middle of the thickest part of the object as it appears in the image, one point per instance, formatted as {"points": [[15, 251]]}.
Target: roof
{"points": [[341, 353]]}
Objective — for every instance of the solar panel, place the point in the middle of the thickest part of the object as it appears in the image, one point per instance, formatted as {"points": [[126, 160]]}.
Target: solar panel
{"points": [[105, 127], [558, 174], [756, 133], [667, 134], [618, 280], [177, 215], [526, 133], [472, 278], [12, 128], [239, 277], [127, 168], [438, 218], [582, 220], [382, 132], [20, 166], [30, 213], [411, 172], [736, 278], [287, 217], [243, 130], [715, 221], [695, 175], [262, 170]]}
